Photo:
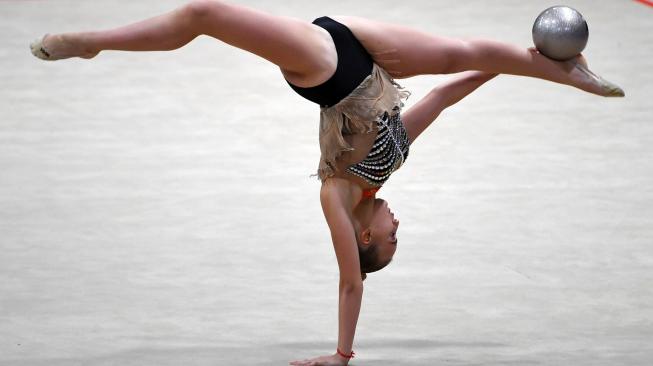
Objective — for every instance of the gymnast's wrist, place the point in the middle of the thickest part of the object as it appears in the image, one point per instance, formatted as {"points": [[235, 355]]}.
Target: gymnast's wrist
{"points": [[343, 356]]}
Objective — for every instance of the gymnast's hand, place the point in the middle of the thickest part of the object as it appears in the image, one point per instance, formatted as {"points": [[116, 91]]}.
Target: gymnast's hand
{"points": [[332, 360]]}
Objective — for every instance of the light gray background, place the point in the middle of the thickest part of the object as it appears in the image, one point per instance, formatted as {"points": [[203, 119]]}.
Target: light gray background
{"points": [[156, 208]]}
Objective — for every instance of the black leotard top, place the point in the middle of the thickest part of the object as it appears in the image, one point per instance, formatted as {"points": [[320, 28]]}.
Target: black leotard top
{"points": [[354, 65]]}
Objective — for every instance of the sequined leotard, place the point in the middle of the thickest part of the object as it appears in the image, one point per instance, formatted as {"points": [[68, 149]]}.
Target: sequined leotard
{"points": [[388, 153]]}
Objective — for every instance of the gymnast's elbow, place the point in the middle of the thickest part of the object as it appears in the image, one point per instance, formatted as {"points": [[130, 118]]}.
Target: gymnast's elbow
{"points": [[438, 97], [351, 286]]}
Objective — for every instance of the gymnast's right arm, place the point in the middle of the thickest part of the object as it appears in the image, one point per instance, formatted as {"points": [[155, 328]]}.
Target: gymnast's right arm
{"points": [[335, 200]]}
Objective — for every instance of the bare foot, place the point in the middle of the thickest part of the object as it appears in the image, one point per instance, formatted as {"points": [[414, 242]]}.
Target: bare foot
{"points": [[60, 46]]}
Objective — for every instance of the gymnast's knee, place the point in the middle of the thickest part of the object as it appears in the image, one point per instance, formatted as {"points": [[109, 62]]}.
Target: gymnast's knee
{"points": [[459, 56], [476, 53], [197, 9]]}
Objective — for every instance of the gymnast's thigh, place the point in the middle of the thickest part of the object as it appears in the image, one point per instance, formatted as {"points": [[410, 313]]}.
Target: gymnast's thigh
{"points": [[303, 51], [404, 51]]}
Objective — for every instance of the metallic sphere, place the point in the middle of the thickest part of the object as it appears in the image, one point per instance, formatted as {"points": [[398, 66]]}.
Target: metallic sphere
{"points": [[560, 33]]}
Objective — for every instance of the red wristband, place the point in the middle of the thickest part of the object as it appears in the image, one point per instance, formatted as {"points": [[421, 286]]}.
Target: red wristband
{"points": [[344, 355]]}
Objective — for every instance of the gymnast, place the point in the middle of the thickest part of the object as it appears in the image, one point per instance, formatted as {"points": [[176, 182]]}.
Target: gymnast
{"points": [[347, 65]]}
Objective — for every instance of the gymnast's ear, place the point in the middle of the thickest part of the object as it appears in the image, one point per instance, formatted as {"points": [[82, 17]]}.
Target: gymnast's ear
{"points": [[365, 236]]}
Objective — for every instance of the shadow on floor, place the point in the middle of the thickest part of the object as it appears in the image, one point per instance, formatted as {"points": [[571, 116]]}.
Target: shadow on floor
{"points": [[416, 352]]}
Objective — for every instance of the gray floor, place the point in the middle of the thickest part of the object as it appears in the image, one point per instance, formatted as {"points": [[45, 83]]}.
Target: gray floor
{"points": [[142, 223]]}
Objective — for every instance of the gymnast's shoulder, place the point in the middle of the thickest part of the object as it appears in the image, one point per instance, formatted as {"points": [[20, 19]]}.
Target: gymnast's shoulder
{"points": [[339, 192]]}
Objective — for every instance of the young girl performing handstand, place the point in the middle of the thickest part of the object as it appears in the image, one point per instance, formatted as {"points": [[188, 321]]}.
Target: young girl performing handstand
{"points": [[347, 65]]}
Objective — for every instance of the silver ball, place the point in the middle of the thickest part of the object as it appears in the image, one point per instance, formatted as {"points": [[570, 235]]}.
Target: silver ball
{"points": [[560, 33]]}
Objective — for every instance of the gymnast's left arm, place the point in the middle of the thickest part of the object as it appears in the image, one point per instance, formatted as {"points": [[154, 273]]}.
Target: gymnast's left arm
{"points": [[417, 118]]}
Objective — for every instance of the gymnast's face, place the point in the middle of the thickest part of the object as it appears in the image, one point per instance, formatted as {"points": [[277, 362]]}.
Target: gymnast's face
{"points": [[383, 230]]}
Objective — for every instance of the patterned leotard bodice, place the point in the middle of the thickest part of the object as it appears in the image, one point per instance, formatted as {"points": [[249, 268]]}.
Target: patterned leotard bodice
{"points": [[388, 153]]}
